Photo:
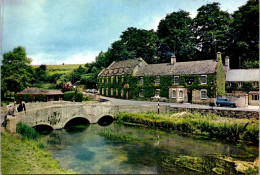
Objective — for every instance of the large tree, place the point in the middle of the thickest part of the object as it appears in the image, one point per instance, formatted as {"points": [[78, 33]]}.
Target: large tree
{"points": [[245, 34], [17, 74], [176, 36], [212, 30]]}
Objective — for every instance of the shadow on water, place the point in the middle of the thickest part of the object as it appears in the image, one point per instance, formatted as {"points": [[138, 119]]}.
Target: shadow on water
{"points": [[43, 129], [105, 120], [77, 125]]}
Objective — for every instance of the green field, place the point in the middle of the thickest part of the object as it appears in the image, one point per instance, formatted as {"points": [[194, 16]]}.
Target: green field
{"points": [[61, 67]]}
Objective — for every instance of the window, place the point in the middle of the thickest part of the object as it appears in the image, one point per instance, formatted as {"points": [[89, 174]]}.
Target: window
{"points": [[106, 91], [181, 94], [102, 91], [203, 94], [142, 80], [111, 91], [256, 84], [173, 93], [239, 84], [107, 79], [203, 79], [141, 94], [157, 92], [103, 79], [176, 79], [122, 79], [116, 79], [112, 78], [157, 80], [255, 97], [116, 92]]}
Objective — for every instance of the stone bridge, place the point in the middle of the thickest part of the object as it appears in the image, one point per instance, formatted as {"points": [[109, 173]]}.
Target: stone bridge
{"points": [[58, 115]]}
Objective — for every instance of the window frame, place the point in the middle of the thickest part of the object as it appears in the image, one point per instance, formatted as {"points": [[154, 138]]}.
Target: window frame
{"points": [[205, 79], [181, 97], [173, 93], [157, 80], [141, 93], [203, 90], [174, 82], [142, 81]]}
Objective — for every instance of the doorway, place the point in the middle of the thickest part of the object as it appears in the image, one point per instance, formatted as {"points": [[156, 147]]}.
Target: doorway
{"points": [[189, 96]]}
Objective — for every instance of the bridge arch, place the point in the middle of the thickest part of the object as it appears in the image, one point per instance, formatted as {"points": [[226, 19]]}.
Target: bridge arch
{"points": [[76, 121], [43, 128], [105, 120]]}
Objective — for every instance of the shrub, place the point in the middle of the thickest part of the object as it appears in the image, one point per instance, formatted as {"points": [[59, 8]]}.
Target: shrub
{"points": [[72, 95], [26, 131]]}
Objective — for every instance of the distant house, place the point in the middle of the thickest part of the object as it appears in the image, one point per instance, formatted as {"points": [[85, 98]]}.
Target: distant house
{"points": [[33, 94], [244, 82], [193, 81]]}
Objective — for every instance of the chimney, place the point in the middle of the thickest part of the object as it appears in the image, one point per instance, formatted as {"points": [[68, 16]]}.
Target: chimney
{"points": [[173, 59], [139, 61], [227, 61]]}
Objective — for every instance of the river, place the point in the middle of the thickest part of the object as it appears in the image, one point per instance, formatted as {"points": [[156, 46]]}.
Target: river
{"points": [[84, 151]]}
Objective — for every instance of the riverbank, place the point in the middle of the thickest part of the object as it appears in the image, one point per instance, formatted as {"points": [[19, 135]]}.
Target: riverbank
{"points": [[23, 156], [205, 126]]}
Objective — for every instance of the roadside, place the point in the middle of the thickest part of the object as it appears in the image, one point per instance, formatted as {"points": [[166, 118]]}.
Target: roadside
{"points": [[182, 105]]}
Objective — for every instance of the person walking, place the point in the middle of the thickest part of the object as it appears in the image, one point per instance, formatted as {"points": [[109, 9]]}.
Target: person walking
{"points": [[23, 104], [20, 107]]}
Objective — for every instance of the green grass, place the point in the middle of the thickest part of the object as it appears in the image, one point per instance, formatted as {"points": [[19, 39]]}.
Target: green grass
{"points": [[207, 126], [20, 156], [61, 67]]}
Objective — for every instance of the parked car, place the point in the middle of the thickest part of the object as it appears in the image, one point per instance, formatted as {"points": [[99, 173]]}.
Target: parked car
{"points": [[88, 91], [225, 102]]}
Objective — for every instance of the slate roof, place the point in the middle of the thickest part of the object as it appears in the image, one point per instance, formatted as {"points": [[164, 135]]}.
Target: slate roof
{"points": [[179, 68], [241, 75], [120, 67], [41, 91]]}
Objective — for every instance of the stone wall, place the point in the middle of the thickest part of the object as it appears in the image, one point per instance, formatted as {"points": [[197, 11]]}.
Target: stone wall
{"points": [[222, 112]]}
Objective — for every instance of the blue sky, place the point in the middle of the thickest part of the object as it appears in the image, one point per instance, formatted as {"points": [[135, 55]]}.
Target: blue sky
{"points": [[75, 31]]}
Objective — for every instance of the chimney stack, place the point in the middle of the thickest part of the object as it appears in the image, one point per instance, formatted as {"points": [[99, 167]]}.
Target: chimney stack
{"points": [[139, 61], [173, 59], [218, 56], [227, 61]]}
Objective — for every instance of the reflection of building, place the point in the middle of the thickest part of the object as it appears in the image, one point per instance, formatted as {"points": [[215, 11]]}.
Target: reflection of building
{"points": [[179, 81], [244, 82], [32, 94]]}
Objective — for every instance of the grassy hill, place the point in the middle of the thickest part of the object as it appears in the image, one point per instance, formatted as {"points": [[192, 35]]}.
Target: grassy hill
{"points": [[61, 67]]}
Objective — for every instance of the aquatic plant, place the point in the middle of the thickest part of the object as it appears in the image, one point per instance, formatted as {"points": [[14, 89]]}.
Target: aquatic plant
{"points": [[26, 131], [209, 125], [120, 137]]}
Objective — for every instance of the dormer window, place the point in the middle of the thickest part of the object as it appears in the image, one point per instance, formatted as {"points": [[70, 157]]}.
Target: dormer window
{"points": [[203, 79]]}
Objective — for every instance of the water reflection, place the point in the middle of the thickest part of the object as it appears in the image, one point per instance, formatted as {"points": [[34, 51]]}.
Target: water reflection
{"points": [[84, 151]]}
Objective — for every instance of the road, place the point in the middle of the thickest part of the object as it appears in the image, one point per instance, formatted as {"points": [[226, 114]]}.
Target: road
{"points": [[184, 105]]}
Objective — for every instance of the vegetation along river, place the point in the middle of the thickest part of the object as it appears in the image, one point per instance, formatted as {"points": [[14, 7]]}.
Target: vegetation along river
{"points": [[119, 148]]}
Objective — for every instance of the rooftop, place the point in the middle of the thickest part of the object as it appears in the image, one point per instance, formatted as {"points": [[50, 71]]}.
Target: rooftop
{"points": [[241, 75], [41, 91]]}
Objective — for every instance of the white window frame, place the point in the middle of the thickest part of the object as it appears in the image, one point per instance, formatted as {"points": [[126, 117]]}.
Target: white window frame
{"points": [[203, 90], [141, 93], [181, 97], [173, 93], [141, 80], [174, 82], [201, 79], [239, 84], [157, 80], [157, 90], [255, 99], [111, 92]]}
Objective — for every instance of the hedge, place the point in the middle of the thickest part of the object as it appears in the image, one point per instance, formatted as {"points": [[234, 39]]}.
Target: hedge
{"points": [[72, 95]]}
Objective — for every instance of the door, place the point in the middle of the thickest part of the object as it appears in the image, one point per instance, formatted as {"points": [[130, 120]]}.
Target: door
{"points": [[189, 96]]}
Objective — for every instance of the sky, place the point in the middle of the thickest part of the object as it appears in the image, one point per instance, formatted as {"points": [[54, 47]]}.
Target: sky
{"points": [[75, 31]]}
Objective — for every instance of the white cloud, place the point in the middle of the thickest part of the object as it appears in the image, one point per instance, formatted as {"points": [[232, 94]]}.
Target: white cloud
{"points": [[71, 58]]}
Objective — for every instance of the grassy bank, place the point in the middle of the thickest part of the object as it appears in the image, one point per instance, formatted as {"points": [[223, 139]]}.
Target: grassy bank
{"points": [[21, 155], [207, 126]]}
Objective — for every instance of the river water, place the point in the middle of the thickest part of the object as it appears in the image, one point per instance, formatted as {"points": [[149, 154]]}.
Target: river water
{"points": [[83, 150]]}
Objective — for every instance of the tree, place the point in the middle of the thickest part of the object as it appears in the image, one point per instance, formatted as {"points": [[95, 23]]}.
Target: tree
{"points": [[245, 34], [176, 36], [212, 30], [17, 74]]}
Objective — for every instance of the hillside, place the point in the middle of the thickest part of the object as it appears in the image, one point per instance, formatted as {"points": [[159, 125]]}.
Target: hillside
{"points": [[60, 67]]}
